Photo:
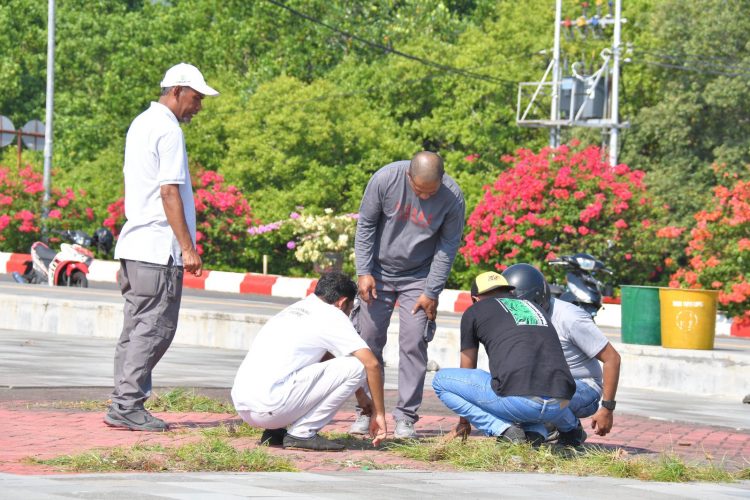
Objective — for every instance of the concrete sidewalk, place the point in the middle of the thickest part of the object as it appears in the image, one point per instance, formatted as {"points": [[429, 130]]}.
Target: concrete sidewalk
{"points": [[390, 485]]}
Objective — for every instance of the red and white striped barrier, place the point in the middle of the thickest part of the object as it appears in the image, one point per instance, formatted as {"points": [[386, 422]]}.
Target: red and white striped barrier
{"points": [[222, 281], [454, 301]]}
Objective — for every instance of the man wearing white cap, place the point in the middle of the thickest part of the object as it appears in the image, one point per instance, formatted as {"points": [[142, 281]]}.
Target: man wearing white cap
{"points": [[157, 242]]}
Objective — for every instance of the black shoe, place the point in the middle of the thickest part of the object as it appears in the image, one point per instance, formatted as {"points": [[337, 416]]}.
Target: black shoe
{"points": [[273, 437], [535, 439], [135, 419], [313, 443], [573, 438], [513, 434]]}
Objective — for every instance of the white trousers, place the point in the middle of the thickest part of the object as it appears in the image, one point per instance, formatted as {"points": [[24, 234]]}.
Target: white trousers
{"points": [[317, 392]]}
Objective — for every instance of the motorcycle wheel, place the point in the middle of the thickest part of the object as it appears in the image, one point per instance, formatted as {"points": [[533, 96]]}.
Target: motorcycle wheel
{"points": [[79, 279]]}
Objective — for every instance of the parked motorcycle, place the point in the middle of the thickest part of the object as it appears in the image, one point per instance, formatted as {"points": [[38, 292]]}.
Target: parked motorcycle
{"points": [[70, 265], [583, 288]]}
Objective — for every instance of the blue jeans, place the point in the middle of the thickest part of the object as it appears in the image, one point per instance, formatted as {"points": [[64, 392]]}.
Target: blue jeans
{"points": [[585, 401], [469, 394]]}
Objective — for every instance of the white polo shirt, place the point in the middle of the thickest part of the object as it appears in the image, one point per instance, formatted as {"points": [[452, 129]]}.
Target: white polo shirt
{"points": [[297, 337], [155, 155]]}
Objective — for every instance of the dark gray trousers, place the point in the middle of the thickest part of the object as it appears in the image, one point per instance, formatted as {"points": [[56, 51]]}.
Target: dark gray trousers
{"points": [[372, 323], [152, 295]]}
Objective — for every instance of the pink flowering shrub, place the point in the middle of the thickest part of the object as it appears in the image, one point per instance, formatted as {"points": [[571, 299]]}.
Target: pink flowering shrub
{"points": [[21, 197], [223, 216], [718, 252], [563, 201]]}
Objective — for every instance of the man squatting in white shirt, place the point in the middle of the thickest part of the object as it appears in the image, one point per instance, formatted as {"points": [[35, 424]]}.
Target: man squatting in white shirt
{"points": [[303, 365]]}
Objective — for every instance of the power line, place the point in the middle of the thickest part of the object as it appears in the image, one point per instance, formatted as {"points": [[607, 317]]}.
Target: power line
{"points": [[691, 69], [391, 50], [702, 57], [375, 88], [680, 61]]}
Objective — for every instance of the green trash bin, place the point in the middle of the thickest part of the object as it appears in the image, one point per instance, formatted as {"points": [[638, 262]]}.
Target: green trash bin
{"points": [[641, 315]]}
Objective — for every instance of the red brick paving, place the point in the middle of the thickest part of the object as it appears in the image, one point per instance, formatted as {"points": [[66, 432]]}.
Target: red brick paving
{"points": [[46, 433]]}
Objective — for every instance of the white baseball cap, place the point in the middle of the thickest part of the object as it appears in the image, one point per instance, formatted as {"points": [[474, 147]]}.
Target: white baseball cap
{"points": [[187, 75]]}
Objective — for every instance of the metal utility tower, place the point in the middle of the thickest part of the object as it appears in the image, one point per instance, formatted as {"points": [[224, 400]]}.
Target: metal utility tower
{"points": [[578, 100]]}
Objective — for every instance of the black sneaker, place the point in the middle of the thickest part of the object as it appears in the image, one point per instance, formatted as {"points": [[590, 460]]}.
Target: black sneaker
{"points": [[535, 439], [313, 443], [273, 437], [135, 419], [573, 438], [513, 434]]}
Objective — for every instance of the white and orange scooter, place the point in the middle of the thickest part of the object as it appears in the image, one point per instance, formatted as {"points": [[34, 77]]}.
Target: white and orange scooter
{"points": [[70, 265]]}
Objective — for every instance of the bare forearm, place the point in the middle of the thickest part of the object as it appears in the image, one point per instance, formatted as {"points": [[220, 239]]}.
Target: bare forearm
{"points": [[375, 383], [611, 378], [174, 210]]}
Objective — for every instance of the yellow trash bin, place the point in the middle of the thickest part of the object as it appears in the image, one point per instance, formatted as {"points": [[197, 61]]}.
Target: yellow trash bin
{"points": [[688, 318]]}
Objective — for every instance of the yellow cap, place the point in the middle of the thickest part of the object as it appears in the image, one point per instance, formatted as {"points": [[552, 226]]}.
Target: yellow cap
{"points": [[489, 281]]}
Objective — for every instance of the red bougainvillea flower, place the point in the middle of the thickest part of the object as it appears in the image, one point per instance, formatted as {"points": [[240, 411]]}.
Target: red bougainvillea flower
{"points": [[719, 247], [564, 200]]}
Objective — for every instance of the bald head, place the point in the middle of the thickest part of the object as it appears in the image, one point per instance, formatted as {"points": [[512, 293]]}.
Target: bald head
{"points": [[425, 174], [426, 167]]}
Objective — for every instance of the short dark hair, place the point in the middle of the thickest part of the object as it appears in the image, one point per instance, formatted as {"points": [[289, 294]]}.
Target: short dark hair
{"points": [[165, 91], [334, 285]]}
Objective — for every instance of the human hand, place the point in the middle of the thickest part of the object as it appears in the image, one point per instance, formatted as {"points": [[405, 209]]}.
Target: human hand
{"points": [[462, 430], [378, 429], [366, 286], [365, 403], [192, 262], [602, 421], [429, 305]]}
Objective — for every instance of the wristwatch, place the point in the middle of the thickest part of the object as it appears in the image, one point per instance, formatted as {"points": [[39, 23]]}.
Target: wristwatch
{"points": [[610, 405]]}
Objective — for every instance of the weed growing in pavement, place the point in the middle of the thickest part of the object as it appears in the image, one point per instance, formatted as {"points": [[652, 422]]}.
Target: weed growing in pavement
{"points": [[351, 442], [363, 464], [232, 430], [85, 405], [176, 401], [208, 454], [487, 455], [183, 400]]}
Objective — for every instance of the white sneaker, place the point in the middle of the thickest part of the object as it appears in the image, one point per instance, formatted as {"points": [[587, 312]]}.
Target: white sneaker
{"points": [[361, 426], [405, 430]]}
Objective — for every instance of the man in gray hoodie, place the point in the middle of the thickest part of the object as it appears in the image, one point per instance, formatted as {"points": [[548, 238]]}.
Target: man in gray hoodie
{"points": [[410, 226]]}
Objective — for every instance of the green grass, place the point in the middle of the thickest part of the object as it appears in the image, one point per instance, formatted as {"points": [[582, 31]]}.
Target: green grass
{"points": [[487, 455], [85, 405], [208, 454], [182, 400], [176, 400], [232, 430]]}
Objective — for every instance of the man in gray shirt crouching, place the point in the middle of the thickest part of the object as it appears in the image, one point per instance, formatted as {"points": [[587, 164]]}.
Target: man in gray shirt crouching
{"points": [[411, 221]]}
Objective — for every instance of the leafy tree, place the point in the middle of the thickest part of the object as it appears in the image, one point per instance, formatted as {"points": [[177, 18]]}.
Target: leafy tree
{"points": [[299, 144], [697, 115]]}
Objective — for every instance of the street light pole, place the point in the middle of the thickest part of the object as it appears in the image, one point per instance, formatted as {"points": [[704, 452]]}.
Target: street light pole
{"points": [[554, 131], [615, 119], [50, 103]]}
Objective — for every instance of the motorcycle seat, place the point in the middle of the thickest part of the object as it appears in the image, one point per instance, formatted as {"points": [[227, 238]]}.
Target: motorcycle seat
{"points": [[45, 253]]}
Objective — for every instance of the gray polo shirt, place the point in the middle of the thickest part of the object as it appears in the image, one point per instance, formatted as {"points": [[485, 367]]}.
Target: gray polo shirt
{"points": [[400, 235], [580, 338]]}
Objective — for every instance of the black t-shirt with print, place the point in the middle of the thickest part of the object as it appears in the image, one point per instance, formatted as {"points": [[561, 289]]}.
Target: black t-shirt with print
{"points": [[525, 356]]}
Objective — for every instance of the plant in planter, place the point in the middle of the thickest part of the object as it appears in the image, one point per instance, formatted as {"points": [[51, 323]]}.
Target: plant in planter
{"points": [[326, 240]]}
